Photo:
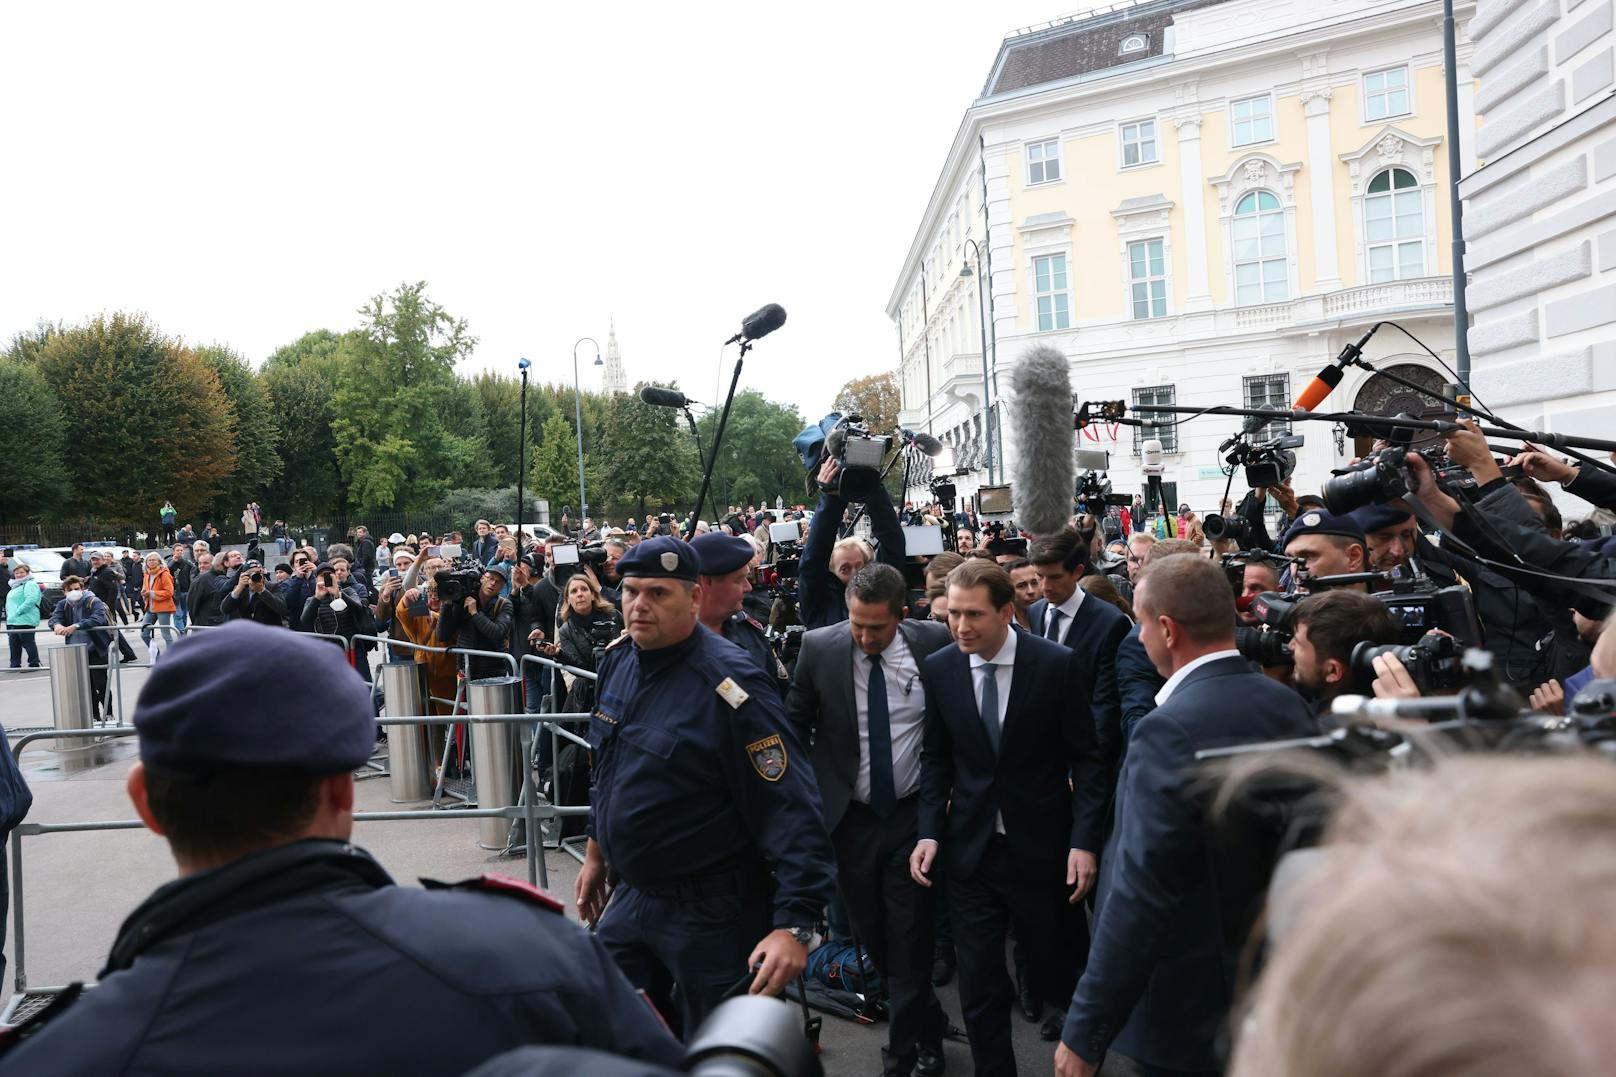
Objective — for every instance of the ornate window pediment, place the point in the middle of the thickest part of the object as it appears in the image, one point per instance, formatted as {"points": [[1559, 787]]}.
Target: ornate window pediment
{"points": [[1251, 172], [1386, 148]]}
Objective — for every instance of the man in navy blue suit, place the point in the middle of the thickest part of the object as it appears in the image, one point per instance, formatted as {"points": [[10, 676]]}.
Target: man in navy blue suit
{"points": [[1091, 629], [1012, 799], [1159, 978]]}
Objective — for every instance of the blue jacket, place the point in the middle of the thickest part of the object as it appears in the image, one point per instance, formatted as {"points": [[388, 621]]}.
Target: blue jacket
{"points": [[89, 614], [307, 959], [1137, 683], [685, 782], [1095, 633], [1160, 979], [820, 600]]}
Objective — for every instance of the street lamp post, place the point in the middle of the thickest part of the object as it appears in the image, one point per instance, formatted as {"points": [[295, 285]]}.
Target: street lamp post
{"points": [[521, 453], [578, 419], [987, 408]]}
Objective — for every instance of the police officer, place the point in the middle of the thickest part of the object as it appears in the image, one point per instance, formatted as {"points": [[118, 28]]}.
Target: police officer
{"points": [[725, 566], [282, 948], [697, 778]]}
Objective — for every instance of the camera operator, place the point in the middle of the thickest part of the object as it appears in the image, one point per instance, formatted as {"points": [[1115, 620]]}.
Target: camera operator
{"points": [[726, 578], [210, 587], [1326, 628], [296, 591], [827, 564], [415, 618], [332, 610], [480, 622], [251, 599]]}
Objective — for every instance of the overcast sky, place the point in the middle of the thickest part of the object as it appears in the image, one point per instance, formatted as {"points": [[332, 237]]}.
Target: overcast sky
{"points": [[244, 173]]}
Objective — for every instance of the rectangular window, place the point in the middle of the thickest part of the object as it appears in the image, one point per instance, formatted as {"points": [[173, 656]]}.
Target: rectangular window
{"points": [[1386, 93], [1049, 285], [1043, 162], [1139, 143], [1252, 120], [1270, 391], [1163, 430], [1147, 279]]}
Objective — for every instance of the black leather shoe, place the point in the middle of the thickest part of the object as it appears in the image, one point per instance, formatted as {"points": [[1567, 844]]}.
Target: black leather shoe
{"points": [[942, 967], [929, 1060], [1051, 1030]]}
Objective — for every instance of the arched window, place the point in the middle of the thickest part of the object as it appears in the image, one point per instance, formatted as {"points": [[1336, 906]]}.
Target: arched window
{"points": [[1260, 272], [1132, 43], [1394, 226]]}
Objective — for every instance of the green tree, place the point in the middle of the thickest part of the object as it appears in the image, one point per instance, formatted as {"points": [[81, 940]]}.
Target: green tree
{"points": [[258, 461], [876, 400], [645, 457], [145, 417], [299, 382], [756, 463], [31, 443], [497, 400], [394, 447], [554, 474]]}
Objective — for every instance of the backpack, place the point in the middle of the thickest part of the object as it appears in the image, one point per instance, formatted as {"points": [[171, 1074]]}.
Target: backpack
{"points": [[836, 966]]}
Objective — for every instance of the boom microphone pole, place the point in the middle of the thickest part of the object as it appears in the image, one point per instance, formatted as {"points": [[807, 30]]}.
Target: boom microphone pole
{"points": [[758, 324]]}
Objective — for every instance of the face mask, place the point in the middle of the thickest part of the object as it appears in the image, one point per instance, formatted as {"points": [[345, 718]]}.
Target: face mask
{"points": [[75, 596], [338, 605]]}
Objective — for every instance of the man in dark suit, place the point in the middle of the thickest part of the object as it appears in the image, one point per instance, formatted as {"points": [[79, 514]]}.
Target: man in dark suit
{"points": [[1090, 628], [858, 694], [1159, 977], [1012, 798]]}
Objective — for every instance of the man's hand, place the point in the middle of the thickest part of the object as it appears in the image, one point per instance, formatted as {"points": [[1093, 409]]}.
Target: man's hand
{"points": [[471, 605], [535, 637], [1549, 697], [1541, 466], [1068, 1063], [783, 959], [828, 472], [1082, 871], [1284, 497], [920, 861], [241, 582], [1468, 448], [589, 890], [1392, 680], [1422, 485], [63, 630]]}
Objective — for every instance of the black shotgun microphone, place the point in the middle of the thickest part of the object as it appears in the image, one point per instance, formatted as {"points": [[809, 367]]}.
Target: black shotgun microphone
{"points": [[922, 441], [664, 398], [760, 323]]}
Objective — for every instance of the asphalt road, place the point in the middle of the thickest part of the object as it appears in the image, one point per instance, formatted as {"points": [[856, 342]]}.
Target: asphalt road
{"points": [[78, 887]]}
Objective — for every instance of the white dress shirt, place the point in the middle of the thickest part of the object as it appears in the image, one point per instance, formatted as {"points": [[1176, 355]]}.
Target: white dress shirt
{"points": [[906, 716], [1185, 670], [1068, 614], [1003, 667]]}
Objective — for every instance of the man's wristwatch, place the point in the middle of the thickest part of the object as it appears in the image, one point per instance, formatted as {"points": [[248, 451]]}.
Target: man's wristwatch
{"points": [[803, 935]]}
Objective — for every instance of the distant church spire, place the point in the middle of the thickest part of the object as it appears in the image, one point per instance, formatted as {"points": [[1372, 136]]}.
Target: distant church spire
{"points": [[614, 377]]}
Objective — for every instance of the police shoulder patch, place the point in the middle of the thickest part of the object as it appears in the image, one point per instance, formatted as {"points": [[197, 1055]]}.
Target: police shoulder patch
{"points": [[732, 693], [494, 883], [768, 758]]}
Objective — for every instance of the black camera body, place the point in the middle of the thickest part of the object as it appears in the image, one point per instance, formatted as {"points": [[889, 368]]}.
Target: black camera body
{"points": [[1267, 463], [1419, 605], [1435, 661], [1233, 527], [1269, 644], [1094, 487], [859, 455], [461, 580]]}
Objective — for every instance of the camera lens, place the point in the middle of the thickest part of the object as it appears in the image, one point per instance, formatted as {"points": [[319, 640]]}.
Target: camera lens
{"points": [[1378, 479]]}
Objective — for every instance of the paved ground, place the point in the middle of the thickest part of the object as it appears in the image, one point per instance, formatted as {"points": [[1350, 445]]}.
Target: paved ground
{"points": [[78, 887]]}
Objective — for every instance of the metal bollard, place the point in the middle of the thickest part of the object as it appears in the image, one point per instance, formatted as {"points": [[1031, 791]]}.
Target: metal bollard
{"points": [[408, 774], [72, 702], [492, 753]]}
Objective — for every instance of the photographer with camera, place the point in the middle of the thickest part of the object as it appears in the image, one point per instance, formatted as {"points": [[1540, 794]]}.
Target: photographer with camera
{"points": [[474, 616], [332, 610], [251, 599], [828, 564], [1327, 629]]}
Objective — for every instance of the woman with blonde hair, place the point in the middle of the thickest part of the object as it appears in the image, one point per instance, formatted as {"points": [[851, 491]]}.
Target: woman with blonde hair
{"points": [[588, 623], [157, 596]]}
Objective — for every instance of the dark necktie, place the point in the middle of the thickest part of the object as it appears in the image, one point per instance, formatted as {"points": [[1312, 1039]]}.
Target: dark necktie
{"points": [[883, 793], [988, 703], [1054, 624]]}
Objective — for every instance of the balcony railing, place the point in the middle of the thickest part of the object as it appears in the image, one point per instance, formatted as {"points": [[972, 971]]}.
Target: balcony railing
{"points": [[1391, 295]]}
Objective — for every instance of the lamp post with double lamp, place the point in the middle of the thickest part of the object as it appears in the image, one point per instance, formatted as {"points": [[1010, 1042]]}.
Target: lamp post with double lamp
{"points": [[578, 418], [987, 407]]}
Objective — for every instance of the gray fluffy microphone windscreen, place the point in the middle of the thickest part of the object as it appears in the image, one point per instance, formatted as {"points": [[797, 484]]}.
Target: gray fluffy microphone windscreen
{"points": [[1041, 409]]}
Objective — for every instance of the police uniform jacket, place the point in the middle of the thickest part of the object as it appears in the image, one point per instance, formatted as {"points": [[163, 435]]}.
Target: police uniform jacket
{"points": [[750, 636], [696, 771], [307, 959]]}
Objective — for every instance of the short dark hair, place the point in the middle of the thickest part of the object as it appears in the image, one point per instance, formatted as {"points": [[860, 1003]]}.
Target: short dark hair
{"points": [[1540, 500], [229, 813], [1337, 621], [1194, 592], [881, 583], [941, 565], [1020, 562], [1069, 548], [983, 572]]}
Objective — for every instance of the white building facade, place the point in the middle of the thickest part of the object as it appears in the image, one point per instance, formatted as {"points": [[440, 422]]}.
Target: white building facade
{"points": [[1198, 202]]}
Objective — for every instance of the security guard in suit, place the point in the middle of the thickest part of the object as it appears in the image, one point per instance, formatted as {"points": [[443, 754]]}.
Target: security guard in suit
{"points": [[724, 565], [698, 785], [283, 949]]}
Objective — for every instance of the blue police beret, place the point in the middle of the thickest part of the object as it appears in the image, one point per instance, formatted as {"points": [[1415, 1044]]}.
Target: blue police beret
{"points": [[665, 556], [1323, 522], [1375, 517], [718, 553], [248, 695]]}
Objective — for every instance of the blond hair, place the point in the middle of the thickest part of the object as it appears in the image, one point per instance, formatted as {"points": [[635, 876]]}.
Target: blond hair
{"points": [[1459, 923], [853, 542]]}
